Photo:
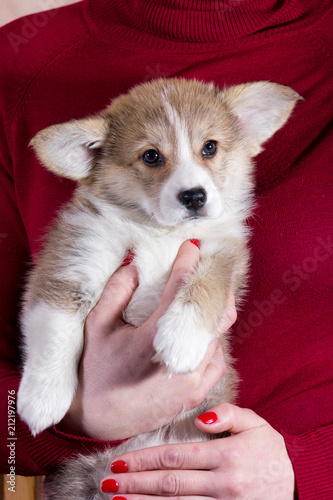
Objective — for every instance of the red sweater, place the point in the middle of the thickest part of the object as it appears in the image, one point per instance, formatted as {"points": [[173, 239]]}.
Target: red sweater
{"points": [[71, 62]]}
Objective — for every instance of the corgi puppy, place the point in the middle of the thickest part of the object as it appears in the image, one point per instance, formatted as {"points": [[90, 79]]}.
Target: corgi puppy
{"points": [[169, 161]]}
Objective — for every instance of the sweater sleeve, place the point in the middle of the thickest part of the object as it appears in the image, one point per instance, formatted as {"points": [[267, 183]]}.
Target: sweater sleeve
{"points": [[311, 454]]}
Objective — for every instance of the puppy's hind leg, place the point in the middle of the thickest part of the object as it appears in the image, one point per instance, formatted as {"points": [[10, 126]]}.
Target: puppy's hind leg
{"points": [[53, 345]]}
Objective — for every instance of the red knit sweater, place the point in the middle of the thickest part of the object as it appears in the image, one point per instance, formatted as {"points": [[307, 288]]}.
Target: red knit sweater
{"points": [[71, 62]]}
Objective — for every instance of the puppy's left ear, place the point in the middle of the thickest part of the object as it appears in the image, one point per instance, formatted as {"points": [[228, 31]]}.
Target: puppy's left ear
{"points": [[261, 108], [67, 149]]}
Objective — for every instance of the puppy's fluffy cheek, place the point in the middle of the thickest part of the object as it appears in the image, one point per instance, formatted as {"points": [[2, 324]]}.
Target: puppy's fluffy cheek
{"points": [[169, 211], [214, 206]]}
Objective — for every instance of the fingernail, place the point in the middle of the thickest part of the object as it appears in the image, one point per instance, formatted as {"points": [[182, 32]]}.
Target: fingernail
{"points": [[195, 242], [118, 497], [208, 418], [109, 486], [119, 466], [128, 258]]}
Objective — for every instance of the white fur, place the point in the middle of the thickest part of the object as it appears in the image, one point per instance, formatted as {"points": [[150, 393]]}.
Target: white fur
{"points": [[188, 175], [53, 347], [181, 340], [71, 150], [54, 338]]}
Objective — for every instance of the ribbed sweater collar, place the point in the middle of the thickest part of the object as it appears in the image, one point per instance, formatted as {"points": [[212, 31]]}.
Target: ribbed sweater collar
{"points": [[157, 22]]}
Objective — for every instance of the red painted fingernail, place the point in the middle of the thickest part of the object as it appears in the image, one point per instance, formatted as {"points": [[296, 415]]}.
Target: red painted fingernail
{"points": [[119, 466], [118, 497], [195, 242], [128, 258], [109, 486], [208, 418]]}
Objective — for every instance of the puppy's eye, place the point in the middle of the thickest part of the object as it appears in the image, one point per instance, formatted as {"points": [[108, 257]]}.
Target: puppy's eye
{"points": [[209, 149], [152, 158]]}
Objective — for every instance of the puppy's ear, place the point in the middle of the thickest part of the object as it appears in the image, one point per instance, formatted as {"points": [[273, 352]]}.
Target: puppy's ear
{"points": [[261, 108], [67, 149]]}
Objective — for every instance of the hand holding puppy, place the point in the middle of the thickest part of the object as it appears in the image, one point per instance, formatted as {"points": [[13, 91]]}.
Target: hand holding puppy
{"points": [[121, 391], [251, 463]]}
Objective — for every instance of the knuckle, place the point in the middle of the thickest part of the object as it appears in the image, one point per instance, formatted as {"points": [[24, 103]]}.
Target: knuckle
{"points": [[171, 484], [229, 411], [237, 485], [118, 287], [131, 485], [229, 317], [172, 458], [232, 314], [182, 275], [139, 463]]}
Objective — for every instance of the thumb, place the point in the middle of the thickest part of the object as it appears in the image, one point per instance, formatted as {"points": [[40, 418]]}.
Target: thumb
{"points": [[230, 418], [185, 263], [115, 297]]}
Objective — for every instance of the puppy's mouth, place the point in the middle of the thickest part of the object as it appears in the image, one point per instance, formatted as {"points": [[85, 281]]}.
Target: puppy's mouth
{"points": [[197, 216], [184, 219]]}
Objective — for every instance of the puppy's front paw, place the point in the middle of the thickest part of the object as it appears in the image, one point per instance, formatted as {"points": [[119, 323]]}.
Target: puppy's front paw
{"points": [[43, 401], [181, 340]]}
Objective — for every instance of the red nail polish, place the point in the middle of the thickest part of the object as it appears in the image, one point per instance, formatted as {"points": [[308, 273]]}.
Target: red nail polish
{"points": [[118, 497], [208, 418], [109, 486], [119, 466], [128, 258], [195, 242]]}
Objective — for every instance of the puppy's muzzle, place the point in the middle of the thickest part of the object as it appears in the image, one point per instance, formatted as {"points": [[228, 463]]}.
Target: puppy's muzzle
{"points": [[193, 199]]}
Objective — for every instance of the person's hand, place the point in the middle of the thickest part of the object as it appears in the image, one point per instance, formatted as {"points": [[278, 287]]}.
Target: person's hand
{"points": [[252, 463], [121, 392]]}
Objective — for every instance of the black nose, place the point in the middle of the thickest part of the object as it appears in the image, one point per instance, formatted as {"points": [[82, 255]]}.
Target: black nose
{"points": [[193, 199]]}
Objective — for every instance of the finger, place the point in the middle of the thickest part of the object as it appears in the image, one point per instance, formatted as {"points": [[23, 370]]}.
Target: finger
{"points": [[185, 263], [230, 315], [214, 370], [115, 297], [169, 483], [213, 355], [228, 417], [184, 456], [132, 496]]}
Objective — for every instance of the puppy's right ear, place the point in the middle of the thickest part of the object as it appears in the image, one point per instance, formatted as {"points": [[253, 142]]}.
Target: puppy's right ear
{"points": [[67, 149]]}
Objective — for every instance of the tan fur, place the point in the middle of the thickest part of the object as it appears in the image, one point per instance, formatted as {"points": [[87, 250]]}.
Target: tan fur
{"points": [[142, 118], [50, 284], [104, 154], [214, 280]]}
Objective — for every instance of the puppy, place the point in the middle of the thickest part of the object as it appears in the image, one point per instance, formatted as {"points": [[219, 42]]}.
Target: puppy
{"points": [[171, 160]]}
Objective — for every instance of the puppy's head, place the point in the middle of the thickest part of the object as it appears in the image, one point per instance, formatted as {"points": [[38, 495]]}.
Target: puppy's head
{"points": [[179, 150]]}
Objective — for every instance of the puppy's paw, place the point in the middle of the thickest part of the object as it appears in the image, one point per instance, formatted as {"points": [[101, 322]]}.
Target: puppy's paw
{"points": [[43, 401], [53, 344], [181, 340]]}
